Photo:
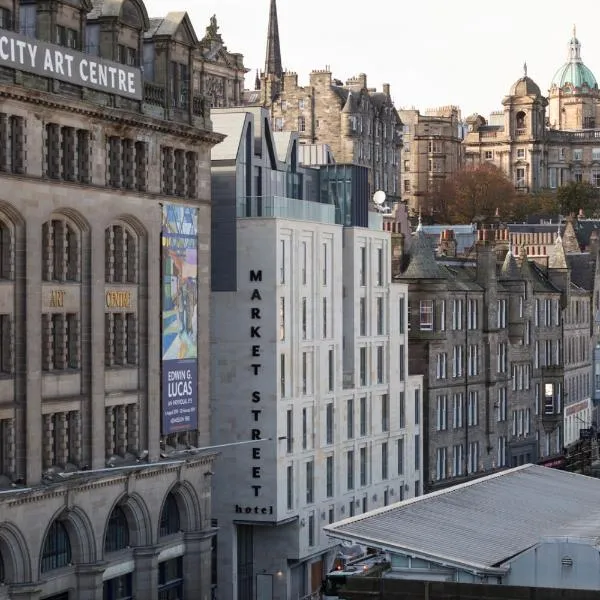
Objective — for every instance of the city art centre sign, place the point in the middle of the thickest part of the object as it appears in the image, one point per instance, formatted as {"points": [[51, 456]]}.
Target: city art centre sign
{"points": [[49, 60]]}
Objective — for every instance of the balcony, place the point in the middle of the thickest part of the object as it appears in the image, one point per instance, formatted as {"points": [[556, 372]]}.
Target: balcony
{"points": [[281, 207]]}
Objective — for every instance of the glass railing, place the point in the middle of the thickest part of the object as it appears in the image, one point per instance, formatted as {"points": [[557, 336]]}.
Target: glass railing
{"points": [[281, 207]]}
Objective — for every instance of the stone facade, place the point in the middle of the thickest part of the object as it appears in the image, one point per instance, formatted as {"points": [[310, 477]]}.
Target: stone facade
{"points": [[432, 151], [359, 124], [94, 502], [494, 337], [543, 142]]}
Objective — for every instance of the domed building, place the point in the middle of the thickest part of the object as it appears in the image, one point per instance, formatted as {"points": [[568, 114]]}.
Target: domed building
{"points": [[543, 143], [574, 95]]}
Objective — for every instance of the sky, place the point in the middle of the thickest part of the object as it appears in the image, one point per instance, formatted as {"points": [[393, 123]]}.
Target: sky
{"points": [[432, 52]]}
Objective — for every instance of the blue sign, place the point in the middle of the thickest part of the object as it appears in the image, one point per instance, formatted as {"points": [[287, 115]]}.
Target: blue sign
{"points": [[179, 318]]}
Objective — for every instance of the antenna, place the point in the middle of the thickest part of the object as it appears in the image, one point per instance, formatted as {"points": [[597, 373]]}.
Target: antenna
{"points": [[379, 197]]}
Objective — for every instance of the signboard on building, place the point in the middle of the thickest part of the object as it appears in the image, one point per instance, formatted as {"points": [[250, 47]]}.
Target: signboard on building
{"points": [[57, 62], [179, 318]]}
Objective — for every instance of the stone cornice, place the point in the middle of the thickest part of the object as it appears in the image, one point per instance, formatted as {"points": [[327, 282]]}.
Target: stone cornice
{"points": [[109, 114], [62, 488]]}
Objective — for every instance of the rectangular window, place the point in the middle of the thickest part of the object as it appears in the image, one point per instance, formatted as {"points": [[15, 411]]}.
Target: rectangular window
{"points": [[385, 413], [442, 413], [473, 409], [304, 264], [282, 258], [443, 315], [290, 431], [350, 469], [402, 315], [324, 318], [363, 366], [304, 373], [303, 318], [290, 487], [457, 460], [502, 313], [282, 386], [417, 406], [324, 265], [426, 315], [440, 464], [401, 360], [329, 476], [473, 465], [363, 416], [331, 370], [401, 411], [457, 312], [304, 428], [363, 266], [363, 466], [379, 266], [329, 423], [350, 418], [502, 408], [400, 455], [380, 364], [310, 482], [441, 365], [282, 318], [472, 316], [457, 410], [417, 452], [362, 316], [384, 461], [380, 316]]}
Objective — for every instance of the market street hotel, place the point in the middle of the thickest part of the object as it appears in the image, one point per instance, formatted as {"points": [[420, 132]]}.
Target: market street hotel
{"points": [[309, 361]]}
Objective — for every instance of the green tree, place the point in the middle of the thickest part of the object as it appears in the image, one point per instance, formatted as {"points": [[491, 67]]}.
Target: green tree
{"points": [[578, 195], [475, 192], [536, 203]]}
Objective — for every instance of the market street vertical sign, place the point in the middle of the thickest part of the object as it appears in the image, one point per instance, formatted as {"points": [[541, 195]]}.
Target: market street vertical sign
{"points": [[49, 60], [179, 318]]}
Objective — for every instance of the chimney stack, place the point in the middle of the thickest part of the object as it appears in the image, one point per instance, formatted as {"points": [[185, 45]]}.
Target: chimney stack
{"points": [[447, 245], [386, 89]]}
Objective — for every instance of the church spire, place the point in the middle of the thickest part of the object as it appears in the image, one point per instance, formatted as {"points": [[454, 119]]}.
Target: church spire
{"points": [[273, 57]]}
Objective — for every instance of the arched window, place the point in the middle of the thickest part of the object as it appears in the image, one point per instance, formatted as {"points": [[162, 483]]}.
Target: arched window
{"points": [[117, 533], [121, 251], [57, 548], [7, 251], [61, 251], [169, 518], [521, 120]]}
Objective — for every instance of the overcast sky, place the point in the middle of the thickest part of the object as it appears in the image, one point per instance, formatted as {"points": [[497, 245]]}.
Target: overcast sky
{"points": [[432, 52]]}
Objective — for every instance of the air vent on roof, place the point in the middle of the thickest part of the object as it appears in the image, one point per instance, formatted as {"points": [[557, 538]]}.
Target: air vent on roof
{"points": [[566, 561]]}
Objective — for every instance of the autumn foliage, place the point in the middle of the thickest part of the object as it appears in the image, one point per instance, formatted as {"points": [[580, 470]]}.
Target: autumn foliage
{"points": [[472, 193]]}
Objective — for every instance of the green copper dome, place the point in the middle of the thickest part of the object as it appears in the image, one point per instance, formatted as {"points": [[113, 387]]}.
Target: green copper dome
{"points": [[574, 72]]}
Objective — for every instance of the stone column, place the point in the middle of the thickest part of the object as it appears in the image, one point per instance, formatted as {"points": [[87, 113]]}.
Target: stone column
{"points": [[197, 565], [89, 582], [145, 576]]}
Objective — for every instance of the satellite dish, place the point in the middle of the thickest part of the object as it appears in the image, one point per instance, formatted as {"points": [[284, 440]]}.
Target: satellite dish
{"points": [[379, 197]]}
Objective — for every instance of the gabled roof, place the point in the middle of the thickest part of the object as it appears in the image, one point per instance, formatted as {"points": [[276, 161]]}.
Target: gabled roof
{"points": [[170, 24], [510, 269], [232, 124], [474, 525]]}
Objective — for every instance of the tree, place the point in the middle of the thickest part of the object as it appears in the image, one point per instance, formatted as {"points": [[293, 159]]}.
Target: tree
{"points": [[474, 192], [536, 203], [578, 195]]}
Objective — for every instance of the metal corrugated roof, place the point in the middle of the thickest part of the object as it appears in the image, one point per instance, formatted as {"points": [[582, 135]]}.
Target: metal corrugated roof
{"points": [[482, 523]]}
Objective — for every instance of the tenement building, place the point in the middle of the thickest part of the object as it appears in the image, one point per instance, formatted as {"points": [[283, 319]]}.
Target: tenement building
{"points": [[359, 124], [432, 151], [543, 141], [105, 173], [503, 344], [309, 347]]}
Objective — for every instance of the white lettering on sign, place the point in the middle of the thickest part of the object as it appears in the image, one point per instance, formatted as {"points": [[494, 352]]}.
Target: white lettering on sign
{"points": [[50, 60]]}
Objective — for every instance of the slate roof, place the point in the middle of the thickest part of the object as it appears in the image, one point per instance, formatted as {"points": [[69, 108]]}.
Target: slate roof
{"points": [[582, 270], [422, 263], [510, 269], [481, 524]]}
